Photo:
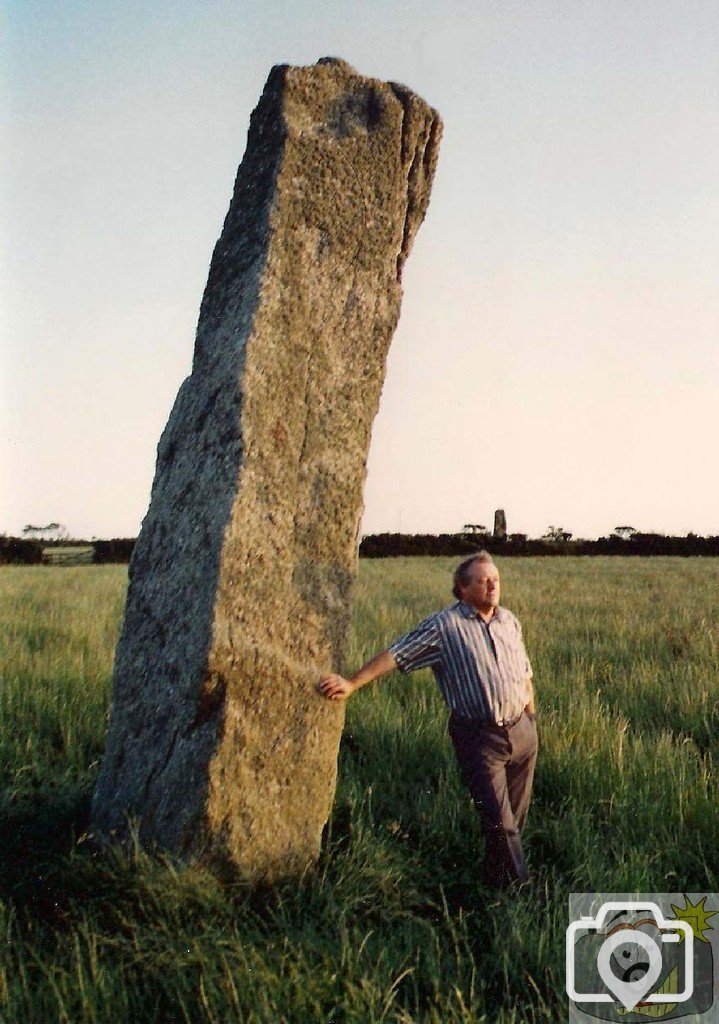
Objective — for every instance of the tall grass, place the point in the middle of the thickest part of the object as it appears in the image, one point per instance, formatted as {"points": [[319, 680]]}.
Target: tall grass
{"points": [[392, 925]]}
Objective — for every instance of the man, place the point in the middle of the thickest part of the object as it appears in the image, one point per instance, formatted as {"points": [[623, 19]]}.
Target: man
{"points": [[476, 651]]}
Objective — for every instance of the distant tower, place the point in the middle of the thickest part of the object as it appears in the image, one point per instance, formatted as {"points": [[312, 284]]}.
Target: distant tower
{"points": [[500, 525]]}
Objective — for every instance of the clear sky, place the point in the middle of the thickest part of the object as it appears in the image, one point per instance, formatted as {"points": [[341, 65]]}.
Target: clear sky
{"points": [[557, 354]]}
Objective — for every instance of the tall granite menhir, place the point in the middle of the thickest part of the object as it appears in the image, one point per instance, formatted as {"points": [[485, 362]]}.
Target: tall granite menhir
{"points": [[219, 747]]}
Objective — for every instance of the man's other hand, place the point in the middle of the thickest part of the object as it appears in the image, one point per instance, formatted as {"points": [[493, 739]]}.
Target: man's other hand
{"points": [[335, 687]]}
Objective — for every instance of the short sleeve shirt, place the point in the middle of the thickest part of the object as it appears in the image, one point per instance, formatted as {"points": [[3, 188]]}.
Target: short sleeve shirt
{"points": [[482, 669]]}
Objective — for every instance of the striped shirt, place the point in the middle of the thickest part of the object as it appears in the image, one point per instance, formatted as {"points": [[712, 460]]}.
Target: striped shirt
{"points": [[482, 668]]}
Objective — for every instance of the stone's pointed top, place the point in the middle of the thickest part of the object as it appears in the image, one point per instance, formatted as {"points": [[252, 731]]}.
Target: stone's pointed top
{"points": [[339, 62]]}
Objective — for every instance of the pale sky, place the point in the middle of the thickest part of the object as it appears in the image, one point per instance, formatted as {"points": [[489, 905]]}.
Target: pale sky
{"points": [[557, 352]]}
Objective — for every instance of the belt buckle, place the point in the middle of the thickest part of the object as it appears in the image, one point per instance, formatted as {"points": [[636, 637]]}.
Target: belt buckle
{"points": [[506, 723]]}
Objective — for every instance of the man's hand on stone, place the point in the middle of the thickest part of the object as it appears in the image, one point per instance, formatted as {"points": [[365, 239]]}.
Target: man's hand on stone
{"points": [[335, 687]]}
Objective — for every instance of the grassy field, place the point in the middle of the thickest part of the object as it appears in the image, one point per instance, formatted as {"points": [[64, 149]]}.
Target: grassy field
{"points": [[393, 925]]}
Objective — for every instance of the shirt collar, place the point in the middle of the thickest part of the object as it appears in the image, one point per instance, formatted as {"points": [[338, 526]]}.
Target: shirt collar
{"points": [[471, 613]]}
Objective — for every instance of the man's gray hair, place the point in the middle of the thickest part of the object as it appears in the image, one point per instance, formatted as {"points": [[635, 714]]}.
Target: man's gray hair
{"points": [[463, 573]]}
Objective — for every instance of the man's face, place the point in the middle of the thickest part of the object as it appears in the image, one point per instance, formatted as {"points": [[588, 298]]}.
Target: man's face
{"points": [[482, 591]]}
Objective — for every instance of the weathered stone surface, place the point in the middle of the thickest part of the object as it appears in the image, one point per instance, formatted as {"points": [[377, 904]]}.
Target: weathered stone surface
{"points": [[239, 595], [500, 525]]}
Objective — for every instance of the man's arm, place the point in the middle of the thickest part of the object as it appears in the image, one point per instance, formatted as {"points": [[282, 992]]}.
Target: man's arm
{"points": [[336, 687], [529, 707]]}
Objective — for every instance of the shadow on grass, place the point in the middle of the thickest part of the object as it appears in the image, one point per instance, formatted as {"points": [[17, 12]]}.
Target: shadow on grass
{"points": [[37, 835], [407, 888]]}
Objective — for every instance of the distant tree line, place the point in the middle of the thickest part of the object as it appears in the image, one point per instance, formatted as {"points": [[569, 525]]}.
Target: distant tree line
{"points": [[17, 551], [381, 545], [559, 542], [20, 551], [117, 550]]}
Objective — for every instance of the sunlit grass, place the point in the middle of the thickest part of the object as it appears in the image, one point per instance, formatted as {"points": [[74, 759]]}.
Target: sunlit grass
{"points": [[393, 924]]}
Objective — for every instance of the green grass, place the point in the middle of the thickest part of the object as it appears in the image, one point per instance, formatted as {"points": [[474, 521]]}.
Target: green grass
{"points": [[392, 925]]}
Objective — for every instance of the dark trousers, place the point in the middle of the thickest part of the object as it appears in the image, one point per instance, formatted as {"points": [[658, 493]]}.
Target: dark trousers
{"points": [[497, 765]]}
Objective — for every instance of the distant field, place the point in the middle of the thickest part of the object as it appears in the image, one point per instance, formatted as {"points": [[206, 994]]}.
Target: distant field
{"points": [[393, 926], [68, 555]]}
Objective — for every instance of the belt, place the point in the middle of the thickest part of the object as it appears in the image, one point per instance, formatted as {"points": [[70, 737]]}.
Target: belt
{"points": [[507, 723], [501, 723]]}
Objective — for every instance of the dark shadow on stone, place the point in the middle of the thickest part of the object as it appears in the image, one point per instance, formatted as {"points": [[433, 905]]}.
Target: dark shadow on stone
{"points": [[198, 468]]}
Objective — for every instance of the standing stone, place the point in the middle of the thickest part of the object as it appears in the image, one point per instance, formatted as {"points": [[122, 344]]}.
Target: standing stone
{"points": [[219, 747], [500, 525]]}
